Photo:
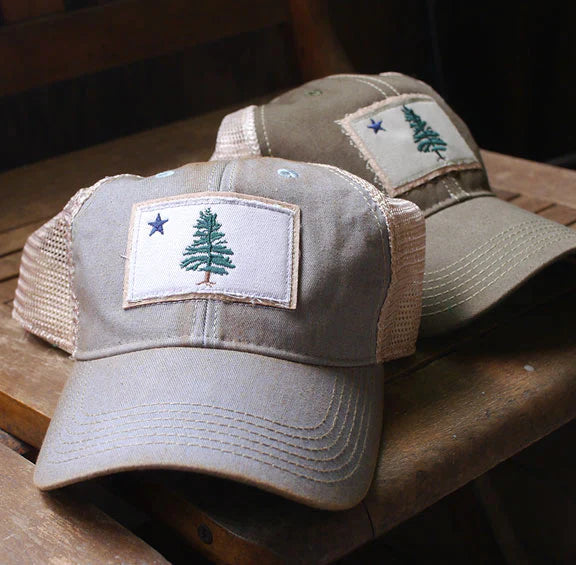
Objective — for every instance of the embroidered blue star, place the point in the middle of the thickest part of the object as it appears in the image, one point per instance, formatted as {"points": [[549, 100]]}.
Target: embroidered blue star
{"points": [[157, 225], [376, 126]]}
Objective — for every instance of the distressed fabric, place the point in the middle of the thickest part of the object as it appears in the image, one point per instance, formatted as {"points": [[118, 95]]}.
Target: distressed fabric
{"points": [[237, 136], [228, 247], [407, 140]]}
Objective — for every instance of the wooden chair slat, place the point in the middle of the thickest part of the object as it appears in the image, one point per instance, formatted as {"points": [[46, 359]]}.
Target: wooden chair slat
{"points": [[14, 239], [505, 194], [58, 529], [531, 204], [19, 446], [93, 39], [9, 265], [548, 182], [7, 290], [561, 214], [463, 414], [32, 375]]}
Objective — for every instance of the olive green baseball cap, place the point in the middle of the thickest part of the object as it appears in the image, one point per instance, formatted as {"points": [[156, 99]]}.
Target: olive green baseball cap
{"points": [[399, 134], [227, 318]]}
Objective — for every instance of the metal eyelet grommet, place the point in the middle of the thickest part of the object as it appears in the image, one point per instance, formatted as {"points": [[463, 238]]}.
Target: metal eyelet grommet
{"points": [[164, 174], [287, 173]]}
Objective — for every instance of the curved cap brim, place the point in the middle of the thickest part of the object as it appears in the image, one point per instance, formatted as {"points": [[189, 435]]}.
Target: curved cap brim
{"points": [[308, 433], [478, 252]]}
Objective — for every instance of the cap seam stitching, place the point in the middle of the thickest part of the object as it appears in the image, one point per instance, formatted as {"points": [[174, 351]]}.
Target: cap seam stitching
{"points": [[479, 291], [489, 254]]}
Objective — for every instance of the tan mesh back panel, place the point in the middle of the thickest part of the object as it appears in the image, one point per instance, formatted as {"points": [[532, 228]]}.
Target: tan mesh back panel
{"points": [[399, 319], [237, 138], [44, 303]]}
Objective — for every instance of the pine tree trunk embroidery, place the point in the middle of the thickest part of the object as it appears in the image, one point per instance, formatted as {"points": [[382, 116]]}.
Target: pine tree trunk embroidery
{"points": [[427, 140], [209, 251]]}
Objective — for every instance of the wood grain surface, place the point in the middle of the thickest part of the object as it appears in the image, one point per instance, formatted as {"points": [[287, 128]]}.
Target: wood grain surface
{"points": [[63, 46], [519, 176], [36, 528]]}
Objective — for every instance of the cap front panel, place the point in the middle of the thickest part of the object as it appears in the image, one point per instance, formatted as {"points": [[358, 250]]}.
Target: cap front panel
{"points": [[407, 140], [320, 305]]}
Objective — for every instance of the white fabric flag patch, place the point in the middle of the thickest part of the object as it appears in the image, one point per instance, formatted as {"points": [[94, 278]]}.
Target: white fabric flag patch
{"points": [[219, 245], [408, 140]]}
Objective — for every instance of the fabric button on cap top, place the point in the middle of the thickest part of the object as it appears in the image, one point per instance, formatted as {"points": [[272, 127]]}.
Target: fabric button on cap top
{"points": [[226, 320], [398, 133]]}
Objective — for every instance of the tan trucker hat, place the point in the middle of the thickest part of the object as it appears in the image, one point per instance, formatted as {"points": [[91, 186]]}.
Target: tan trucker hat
{"points": [[397, 133], [226, 318]]}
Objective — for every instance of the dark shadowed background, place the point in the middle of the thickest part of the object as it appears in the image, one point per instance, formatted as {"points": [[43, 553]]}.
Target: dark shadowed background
{"points": [[506, 67]]}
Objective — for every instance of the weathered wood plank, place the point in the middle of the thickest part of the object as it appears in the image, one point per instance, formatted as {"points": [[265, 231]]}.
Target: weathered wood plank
{"points": [[531, 204], [17, 445], [547, 182], [9, 265], [58, 529], [560, 214], [80, 42], [32, 375], [505, 194], [14, 239], [7, 290], [455, 419]]}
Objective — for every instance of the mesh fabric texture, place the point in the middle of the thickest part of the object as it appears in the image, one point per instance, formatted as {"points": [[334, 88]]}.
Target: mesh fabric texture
{"points": [[237, 138], [44, 303]]}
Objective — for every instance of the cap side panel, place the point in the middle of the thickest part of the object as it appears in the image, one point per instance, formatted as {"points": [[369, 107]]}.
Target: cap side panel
{"points": [[399, 318], [237, 137], [45, 303]]}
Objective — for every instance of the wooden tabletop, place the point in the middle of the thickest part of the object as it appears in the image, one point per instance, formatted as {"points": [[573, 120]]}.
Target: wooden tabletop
{"points": [[454, 410]]}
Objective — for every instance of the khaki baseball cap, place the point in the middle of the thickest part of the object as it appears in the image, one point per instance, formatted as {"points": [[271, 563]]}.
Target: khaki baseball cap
{"points": [[226, 318], [398, 133]]}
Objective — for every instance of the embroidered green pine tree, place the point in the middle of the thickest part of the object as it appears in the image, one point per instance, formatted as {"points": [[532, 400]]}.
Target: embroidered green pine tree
{"points": [[426, 139], [208, 252]]}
